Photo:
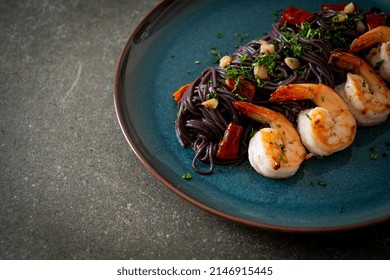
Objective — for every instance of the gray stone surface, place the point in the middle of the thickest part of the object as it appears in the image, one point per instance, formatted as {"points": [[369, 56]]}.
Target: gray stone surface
{"points": [[70, 186]]}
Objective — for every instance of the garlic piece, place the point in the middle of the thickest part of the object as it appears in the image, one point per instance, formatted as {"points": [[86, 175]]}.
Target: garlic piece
{"points": [[224, 61], [292, 63], [266, 48], [349, 8], [340, 17], [260, 72], [211, 103]]}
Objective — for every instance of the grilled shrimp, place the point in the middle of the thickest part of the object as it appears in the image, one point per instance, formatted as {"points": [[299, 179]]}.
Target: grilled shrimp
{"points": [[325, 129], [364, 91], [275, 152], [379, 55], [376, 35]]}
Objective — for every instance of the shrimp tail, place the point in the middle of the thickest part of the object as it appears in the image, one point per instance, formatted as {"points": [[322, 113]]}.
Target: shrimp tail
{"points": [[370, 38], [345, 61], [256, 112], [292, 92]]}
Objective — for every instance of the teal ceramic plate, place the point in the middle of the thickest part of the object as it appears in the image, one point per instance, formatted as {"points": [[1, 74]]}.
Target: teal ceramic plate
{"points": [[170, 47]]}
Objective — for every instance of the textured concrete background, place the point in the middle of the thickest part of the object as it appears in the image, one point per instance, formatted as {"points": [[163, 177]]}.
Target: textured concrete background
{"points": [[71, 188]]}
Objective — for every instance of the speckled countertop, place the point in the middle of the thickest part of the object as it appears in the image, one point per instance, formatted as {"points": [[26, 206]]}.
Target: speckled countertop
{"points": [[71, 187]]}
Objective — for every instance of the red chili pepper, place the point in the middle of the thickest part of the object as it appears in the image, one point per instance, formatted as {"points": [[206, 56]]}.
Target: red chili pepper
{"points": [[294, 15], [334, 7], [177, 95], [244, 88], [374, 20], [228, 147]]}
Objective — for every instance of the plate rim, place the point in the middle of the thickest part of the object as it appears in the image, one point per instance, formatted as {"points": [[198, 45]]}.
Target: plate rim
{"points": [[119, 73]]}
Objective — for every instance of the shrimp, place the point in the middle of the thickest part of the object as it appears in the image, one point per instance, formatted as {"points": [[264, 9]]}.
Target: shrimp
{"points": [[325, 129], [275, 152], [372, 37], [367, 96], [379, 57]]}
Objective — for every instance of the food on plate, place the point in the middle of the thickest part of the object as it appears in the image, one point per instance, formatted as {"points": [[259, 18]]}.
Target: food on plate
{"points": [[203, 128], [380, 34], [364, 91], [328, 128], [379, 55], [298, 70], [274, 151]]}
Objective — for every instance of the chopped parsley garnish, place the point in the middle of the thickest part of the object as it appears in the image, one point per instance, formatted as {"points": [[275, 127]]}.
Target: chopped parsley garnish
{"points": [[378, 65], [217, 56], [211, 95], [321, 183], [359, 16], [276, 15], [242, 98], [336, 18], [186, 176], [296, 49], [307, 31], [237, 74], [373, 155], [261, 83], [307, 115], [335, 35], [244, 57], [253, 132], [232, 72], [302, 72], [282, 159], [266, 59], [375, 151], [293, 47]]}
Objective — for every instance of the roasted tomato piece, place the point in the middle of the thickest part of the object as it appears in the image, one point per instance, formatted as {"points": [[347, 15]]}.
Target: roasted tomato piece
{"points": [[294, 15], [177, 95], [244, 88], [230, 143], [375, 20]]}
